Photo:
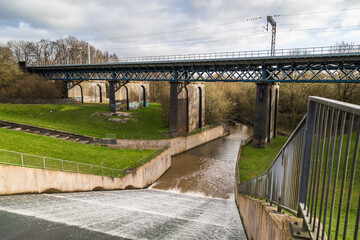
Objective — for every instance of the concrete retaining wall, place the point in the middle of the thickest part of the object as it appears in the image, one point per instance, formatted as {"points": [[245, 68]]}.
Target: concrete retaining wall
{"points": [[16, 180], [177, 145], [259, 219]]}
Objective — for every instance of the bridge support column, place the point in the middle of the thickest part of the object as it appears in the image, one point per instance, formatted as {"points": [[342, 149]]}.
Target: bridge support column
{"points": [[65, 92], [187, 107], [265, 122], [178, 108], [112, 96]]}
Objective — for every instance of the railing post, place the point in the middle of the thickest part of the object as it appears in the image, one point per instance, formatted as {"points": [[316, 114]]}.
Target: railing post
{"points": [[77, 167], [102, 171], [62, 165], [22, 159], [309, 136], [44, 162]]}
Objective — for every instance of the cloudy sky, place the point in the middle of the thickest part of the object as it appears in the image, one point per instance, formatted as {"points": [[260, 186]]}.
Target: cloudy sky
{"points": [[158, 27]]}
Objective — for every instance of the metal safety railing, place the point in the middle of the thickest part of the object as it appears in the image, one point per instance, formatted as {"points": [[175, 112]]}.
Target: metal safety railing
{"points": [[316, 174], [292, 52], [280, 183], [48, 163]]}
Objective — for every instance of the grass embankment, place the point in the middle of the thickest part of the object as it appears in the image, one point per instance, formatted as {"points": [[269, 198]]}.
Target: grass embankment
{"points": [[76, 118], [254, 162], [56, 148]]}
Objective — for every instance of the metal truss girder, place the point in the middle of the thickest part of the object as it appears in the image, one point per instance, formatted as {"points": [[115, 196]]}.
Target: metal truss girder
{"points": [[307, 72]]}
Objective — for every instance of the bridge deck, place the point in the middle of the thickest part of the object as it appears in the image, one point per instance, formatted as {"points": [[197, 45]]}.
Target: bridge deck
{"points": [[299, 65]]}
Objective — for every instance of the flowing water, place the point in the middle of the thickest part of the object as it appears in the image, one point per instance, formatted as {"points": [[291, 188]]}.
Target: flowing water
{"points": [[193, 200]]}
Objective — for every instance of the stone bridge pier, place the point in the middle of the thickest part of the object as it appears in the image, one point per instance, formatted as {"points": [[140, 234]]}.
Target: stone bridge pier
{"points": [[266, 113], [128, 95], [122, 95], [85, 92], [187, 107]]}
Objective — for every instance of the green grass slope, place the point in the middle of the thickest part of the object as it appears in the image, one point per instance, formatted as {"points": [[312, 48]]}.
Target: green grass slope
{"points": [[76, 118], [56, 148]]}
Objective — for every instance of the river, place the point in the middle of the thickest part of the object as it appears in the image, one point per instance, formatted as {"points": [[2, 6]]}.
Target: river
{"points": [[194, 199]]}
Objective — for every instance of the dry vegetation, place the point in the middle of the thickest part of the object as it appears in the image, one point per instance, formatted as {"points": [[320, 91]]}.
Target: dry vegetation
{"points": [[237, 100]]}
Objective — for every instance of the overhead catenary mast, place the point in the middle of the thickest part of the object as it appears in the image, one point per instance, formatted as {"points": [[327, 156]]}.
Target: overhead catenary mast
{"points": [[272, 22]]}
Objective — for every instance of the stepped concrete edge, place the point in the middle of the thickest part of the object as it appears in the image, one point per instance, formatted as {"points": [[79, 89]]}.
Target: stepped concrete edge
{"points": [[177, 145]]}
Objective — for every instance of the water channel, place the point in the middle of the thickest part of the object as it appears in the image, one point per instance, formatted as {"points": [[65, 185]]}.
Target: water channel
{"points": [[192, 200]]}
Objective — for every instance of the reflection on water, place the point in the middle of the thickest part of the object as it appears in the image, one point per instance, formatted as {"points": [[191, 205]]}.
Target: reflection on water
{"points": [[206, 170]]}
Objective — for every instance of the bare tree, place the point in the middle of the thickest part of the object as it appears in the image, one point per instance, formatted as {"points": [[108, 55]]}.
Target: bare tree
{"points": [[23, 50]]}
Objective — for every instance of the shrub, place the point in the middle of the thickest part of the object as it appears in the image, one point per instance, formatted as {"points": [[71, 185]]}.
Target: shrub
{"points": [[30, 88]]}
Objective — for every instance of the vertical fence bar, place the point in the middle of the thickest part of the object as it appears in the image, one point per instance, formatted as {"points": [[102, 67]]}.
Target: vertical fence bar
{"points": [[351, 120], [311, 191], [22, 159], [317, 146], [77, 167], [44, 162], [102, 171], [325, 170], [356, 233], [310, 126], [62, 165], [352, 178], [322, 144], [343, 119], [330, 170]]}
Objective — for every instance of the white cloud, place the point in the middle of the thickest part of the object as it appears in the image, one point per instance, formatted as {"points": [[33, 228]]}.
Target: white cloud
{"points": [[130, 27]]}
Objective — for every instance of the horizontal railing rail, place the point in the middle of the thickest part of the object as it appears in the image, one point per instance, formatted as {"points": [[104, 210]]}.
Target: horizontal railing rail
{"points": [[316, 175], [35, 161], [292, 52]]}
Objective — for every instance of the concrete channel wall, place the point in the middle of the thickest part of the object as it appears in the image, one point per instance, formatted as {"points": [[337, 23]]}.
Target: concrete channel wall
{"points": [[17, 180], [260, 220], [177, 145]]}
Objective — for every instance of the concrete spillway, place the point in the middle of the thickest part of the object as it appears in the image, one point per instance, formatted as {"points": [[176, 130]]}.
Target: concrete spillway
{"points": [[180, 210], [134, 214]]}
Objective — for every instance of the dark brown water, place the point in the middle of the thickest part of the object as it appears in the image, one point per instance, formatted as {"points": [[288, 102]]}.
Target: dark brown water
{"points": [[206, 170]]}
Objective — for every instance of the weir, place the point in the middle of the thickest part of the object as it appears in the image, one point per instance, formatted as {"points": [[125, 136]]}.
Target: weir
{"points": [[197, 204]]}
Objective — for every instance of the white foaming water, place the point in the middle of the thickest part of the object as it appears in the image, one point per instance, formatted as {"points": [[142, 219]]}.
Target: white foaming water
{"points": [[134, 214]]}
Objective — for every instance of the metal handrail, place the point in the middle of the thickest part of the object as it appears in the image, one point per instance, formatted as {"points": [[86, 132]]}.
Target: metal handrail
{"points": [[285, 195], [319, 158], [291, 52], [48, 163]]}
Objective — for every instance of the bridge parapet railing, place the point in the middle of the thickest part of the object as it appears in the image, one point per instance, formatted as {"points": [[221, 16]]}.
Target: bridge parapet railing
{"points": [[292, 52], [41, 162], [323, 184]]}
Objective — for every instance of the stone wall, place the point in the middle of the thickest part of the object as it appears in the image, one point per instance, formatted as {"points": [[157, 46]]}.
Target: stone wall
{"points": [[196, 101], [177, 145], [132, 95], [88, 92], [187, 107], [265, 116], [17, 180], [260, 220]]}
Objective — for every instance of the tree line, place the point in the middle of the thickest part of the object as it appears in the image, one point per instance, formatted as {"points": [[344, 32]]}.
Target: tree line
{"points": [[61, 51]]}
